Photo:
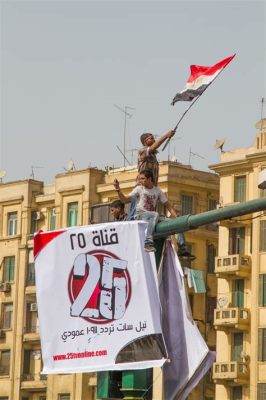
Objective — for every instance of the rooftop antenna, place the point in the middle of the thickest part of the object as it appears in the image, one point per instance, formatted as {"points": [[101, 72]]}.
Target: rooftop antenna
{"points": [[261, 112], [219, 144], [127, 115], [262, 107], [33, 167], [169, 147], [2, 175], [132, 153], [193, 154], [70, 166], [125, 159]]}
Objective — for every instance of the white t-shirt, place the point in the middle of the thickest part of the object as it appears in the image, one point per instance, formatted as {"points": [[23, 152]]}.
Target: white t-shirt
{"points": [[147, 199]]}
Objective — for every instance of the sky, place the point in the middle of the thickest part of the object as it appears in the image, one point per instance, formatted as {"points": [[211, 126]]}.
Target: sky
{"points": [[70, 69]]}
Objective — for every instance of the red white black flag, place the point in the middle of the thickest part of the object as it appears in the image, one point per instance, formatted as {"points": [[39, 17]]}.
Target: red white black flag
{"points": [[200, 78]]}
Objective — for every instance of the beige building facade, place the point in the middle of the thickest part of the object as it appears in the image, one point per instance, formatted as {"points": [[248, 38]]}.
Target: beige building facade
{"points": [[240, 316], [80, 198]]}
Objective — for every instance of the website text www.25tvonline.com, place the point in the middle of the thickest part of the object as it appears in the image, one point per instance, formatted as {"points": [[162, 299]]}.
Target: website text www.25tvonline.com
{"points": [[83, 354]]}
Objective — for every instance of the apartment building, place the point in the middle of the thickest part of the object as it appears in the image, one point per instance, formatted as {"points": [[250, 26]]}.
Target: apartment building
{"points": [[79, 198], [240, 316]]}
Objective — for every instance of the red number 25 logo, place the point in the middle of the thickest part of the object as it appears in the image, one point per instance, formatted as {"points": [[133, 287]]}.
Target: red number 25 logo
{"points": [[99, 287]]}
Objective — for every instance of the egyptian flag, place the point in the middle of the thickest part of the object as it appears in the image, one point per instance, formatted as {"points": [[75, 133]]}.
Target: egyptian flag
{"points": [[200, 78]]}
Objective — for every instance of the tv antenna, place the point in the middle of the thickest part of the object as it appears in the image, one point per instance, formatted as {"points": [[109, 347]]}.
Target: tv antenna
{"points": [[124, 156], [262, 107], [126, 115], [132, 153], [194, 155], [2, 175], [219, 144], [169, 148], [70, 166], [33, 167]]}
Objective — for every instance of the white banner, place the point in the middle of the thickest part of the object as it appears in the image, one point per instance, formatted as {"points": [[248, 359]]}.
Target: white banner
{"points": [[97, 296]]}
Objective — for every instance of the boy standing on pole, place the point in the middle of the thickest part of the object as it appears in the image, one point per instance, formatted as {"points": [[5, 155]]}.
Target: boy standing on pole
{"points": [[147, 158]]}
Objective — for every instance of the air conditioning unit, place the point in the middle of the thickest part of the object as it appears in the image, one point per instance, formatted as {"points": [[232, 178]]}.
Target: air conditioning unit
{"points": [[2, 334], [53, 212], [5, 287], [33, 307], [37, 215]]}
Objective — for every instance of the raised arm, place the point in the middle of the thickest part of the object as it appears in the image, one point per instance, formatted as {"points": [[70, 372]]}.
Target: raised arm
{"points": [[122, 197], [160, 141]]}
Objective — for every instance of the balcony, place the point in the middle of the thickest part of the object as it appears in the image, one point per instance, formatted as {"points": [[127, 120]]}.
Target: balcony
{"points": [[235, 317], [33, 381], [235, 265], [4, 371], [31, 333], [30, 281], [234, 372]]}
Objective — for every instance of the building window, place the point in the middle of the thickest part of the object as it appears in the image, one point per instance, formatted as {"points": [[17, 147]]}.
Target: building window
{"points": [[33, 224], [52, 219], [4, 362], [237, 346], [12, 223], [211, 305], [32, 321], [262, 290], [263, 235], [31, 274], [9, 269], [26, 365], [237, 393], [262, 345], [7, 316], [240, 188], [3, 398], [72, 214], [212, 203], [237, 240], [261, 391], [211, 253], [64, 397], [186, 204], [238, 293], [101, 213]]}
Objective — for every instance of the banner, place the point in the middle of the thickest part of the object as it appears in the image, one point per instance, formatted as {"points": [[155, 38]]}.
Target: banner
{"points": [[98, 301], [189, 356]]}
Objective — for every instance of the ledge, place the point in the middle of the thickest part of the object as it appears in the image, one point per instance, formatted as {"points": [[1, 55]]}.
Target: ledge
{"points": [[12, 200], [67, 190]]}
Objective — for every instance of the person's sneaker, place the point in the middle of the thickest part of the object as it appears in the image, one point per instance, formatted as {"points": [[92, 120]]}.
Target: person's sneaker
{"points": [[186, 254], [149, 248]]}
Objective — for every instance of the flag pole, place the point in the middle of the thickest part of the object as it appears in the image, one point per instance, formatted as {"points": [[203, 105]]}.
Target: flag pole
{"points": [[193, 102]]}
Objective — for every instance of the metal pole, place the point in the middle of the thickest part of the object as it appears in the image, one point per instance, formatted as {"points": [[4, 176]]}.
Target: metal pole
{"points": [[188, 222]]}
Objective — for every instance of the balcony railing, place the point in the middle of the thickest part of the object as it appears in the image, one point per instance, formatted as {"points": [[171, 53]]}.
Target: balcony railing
{"points": [[33, 381], [32, 329], [236, 317], [31, 281], [232, 371], [235, 264], [4, 370], [28, 377]]}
